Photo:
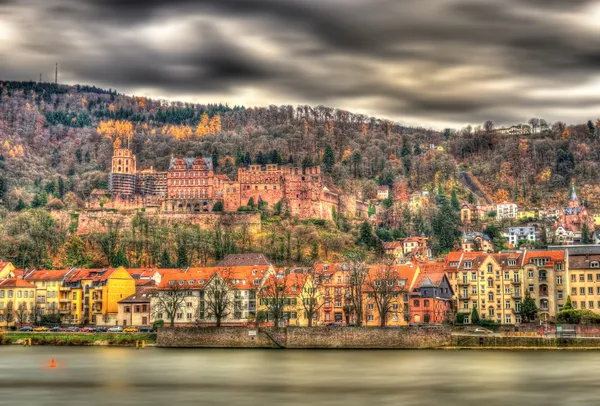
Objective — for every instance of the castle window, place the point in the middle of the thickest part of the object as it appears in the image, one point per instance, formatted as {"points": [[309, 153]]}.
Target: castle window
{"points": [[265, 187], [274, 187]]}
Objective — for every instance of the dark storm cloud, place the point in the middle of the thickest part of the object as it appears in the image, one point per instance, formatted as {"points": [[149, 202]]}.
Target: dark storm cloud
{"points": [[430, 61]]}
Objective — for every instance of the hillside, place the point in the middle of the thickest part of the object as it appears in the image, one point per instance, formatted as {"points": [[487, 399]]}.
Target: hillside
{"points": [[57, 144]]}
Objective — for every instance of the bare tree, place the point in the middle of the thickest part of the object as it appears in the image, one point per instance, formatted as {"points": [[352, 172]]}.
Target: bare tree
{"points": [[272, 295], [358, 275], [218, 301], [36, 313], [311, 295], [168, 301], [22, 314], [543, 124], [534, 122], [8, 313], [385, 288], [488, 126]]}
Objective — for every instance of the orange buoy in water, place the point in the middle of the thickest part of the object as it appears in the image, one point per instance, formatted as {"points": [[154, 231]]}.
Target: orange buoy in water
{"points": [[52, 363]]}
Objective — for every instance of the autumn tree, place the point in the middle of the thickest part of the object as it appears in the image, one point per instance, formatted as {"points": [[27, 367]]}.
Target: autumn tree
{"points": [[386, 289], [358, 273], [168, 300], [273, 295], [311, 296], [22, 314], [218, 297], [203, 127]]}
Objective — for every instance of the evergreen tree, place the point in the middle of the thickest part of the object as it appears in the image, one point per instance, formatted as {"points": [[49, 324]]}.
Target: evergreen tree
{"points": [[591, 127], [445, 229], [3, 189], [260, 159], [247, 159], [251, 203], [165, 260], [291, 160], [366, 235], [447, 133], [328, 159], [405, 150], [40, 199], [568, 305], [55, 157], [306, 162], [61, 187], [454, 200], [276, 157], [417, 149], [182, 255], [218, 207], [474, 316], [585, 234], [471, 198], [20, 205], [120, 259], [528, 309], [239, 157]]}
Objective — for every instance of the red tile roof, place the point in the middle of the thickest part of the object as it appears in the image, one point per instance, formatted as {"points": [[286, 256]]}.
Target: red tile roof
{"points": [[15, 283], [47, 274]]}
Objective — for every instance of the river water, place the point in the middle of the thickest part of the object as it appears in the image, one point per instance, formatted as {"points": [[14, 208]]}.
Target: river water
{"points": [[126, 376]]}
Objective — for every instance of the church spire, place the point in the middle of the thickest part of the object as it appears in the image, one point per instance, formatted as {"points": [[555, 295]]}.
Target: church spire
{"points": [[573, 194]]}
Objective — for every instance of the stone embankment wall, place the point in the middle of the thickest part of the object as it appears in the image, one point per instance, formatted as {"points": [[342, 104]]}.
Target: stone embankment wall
{"points": [[98, 220], [299, 337], [524, 342]]}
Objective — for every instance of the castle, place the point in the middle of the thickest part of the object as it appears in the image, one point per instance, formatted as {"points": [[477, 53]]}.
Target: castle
{"points": [[190, 185]]}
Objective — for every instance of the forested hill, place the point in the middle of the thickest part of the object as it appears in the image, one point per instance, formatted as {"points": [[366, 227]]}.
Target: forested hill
{"points": [[56, 138]]}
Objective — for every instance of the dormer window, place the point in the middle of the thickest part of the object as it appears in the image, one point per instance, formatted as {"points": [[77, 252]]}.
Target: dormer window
{"points": [[254, 272], [512, 262], [468, 264], [191, 282], [181, 282], [594, 264]]}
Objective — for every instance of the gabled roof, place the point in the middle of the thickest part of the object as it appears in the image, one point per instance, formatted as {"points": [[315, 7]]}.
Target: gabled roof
{"points": [[47, 275], [392, 245], [189, 163], [15, 283], [141, 296]]}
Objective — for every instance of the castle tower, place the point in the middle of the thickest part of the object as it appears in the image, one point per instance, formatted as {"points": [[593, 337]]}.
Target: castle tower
{"points": [[122, 177]]}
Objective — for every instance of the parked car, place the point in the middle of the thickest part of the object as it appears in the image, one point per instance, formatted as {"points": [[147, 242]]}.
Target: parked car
{"points": [[26, 328], [333, 325], [100, 330], [73, 329], [483, 331], [41, 328], [87, 329], [351, 325], [145, 329], [130, 329], [115, 329], [56, 329]]}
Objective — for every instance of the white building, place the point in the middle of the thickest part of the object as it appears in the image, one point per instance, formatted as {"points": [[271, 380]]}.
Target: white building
{"points": [[506, 211], [516, 234]]}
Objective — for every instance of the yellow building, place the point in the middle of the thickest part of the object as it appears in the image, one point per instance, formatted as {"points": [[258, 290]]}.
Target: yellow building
{"points": [[17, 299], [584, 277], [47, 283], [287, 290], [6, 270], [528, 214], [93, 295]]}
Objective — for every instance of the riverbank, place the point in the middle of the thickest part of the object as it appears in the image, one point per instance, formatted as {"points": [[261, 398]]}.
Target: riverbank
{"points": [[78, 339]]}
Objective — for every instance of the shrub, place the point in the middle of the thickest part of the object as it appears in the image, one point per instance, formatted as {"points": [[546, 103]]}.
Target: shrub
{"points": [[573, 316], [158, 324]]}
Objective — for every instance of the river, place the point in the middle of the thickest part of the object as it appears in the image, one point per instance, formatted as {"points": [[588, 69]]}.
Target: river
{"points": [[126, 376]]}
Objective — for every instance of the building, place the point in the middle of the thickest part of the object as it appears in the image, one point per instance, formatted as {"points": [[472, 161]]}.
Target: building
{"points": [[473, 213], [244, 260], [282, 290], [134, 310], [394, 249], [383, 192], [519, 129], [335, 293], [190, 185], [572, 223], [476, 241], [583, 279], [516, 234], [431, 299], [17, 300], [91, 296], [7, 270], [506, 211], [544, 278], [48, 284]]}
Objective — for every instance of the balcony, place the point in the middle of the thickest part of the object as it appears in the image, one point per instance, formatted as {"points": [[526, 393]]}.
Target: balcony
{"points": [[516, 295], [464, 311], [463, 282], [543, 278], [515, 281], [543, 293], [463, 297], [40, 300]]}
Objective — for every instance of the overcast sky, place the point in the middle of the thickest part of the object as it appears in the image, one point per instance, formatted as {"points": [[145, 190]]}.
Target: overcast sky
{"points": [[432, 63]]}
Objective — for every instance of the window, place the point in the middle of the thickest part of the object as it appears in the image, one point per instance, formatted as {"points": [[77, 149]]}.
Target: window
{"points": [[512, 262], [370, 306], [573, 278], [582, 291], [489, 268], [594, 264], [517, 319], [425, 303], [589, 277], [590, 291], [490, 296], [531, 288], [559, 280], [507, 304], [74, 295], [416, 303], [19, 293], [189, 304], [179, 316], [574, 304], [474, 290], [573, 291], [1, 293], [490, 283], [591, 304], [468, 264], [370, 317], [582, 304], [581, 278], [491, 311], [473, 276], [559, 294], [508, 319], [506, 275], [530, 274], [189, 316]]}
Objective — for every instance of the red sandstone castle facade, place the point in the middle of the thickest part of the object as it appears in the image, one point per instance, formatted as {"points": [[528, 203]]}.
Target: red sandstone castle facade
{"points": [[191, 186]]}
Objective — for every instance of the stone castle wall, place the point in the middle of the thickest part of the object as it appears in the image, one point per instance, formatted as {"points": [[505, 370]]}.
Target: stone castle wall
{"points": [[91, 221]]}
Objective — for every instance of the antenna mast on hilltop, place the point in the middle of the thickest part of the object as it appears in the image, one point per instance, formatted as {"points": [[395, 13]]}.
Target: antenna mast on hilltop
{"points": [[56, 74]]}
